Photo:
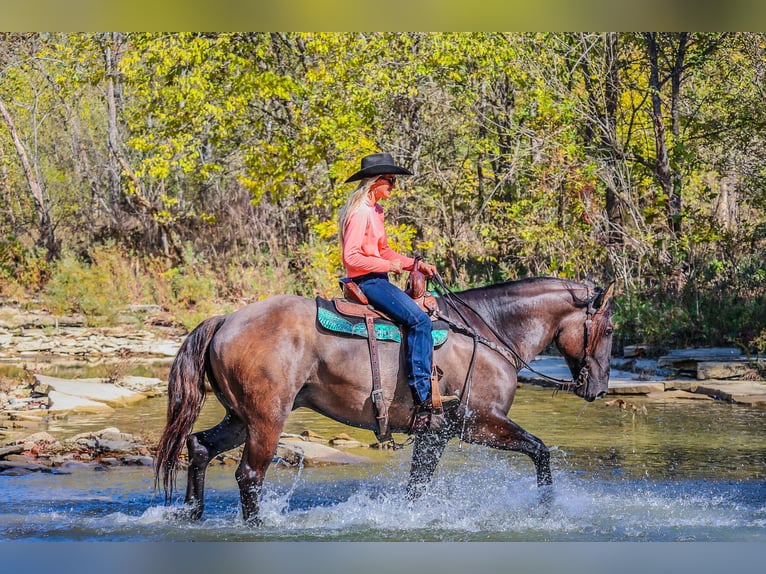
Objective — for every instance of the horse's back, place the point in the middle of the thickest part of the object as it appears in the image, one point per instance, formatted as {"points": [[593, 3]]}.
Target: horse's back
{"points": [[271, 316], [263, 336]]}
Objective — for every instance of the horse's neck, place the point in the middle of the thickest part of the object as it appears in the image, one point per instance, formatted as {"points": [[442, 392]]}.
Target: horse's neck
{"points": [[527, 320]]}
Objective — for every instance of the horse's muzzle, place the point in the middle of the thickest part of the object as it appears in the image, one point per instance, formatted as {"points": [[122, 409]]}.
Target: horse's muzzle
{"points": [[599, 395], [587, 393]]}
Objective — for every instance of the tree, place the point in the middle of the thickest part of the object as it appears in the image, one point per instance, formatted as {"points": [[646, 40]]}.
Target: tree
{"points": [[16, 50]]}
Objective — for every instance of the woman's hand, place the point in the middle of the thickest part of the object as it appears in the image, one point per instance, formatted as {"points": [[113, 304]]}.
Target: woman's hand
{"points": [[396, 266], [426, 268]]}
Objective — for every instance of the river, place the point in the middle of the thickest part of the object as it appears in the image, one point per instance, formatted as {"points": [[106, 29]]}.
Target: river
{"points": [[653, 471]]}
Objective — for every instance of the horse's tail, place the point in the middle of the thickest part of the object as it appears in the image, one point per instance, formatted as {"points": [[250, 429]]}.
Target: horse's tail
{"points": [[186, 393]]}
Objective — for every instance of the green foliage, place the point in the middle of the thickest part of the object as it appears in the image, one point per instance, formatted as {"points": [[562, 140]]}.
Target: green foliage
{"points": [[97, 290], [660, 325], [219, 177], [21, 269]]}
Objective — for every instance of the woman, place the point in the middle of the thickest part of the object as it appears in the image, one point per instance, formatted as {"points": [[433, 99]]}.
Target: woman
{"points": [[368, 260]]}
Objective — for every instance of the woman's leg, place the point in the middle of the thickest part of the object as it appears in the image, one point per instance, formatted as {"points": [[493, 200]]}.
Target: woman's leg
{"points": [[395, 303]]}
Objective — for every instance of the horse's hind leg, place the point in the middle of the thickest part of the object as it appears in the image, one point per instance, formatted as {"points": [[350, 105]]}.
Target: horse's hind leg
{"points": [[426, 453], [203, 447], [259, 450]]}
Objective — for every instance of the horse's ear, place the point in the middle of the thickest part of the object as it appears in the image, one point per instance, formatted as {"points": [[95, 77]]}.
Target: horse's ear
{"points": [[603, 298]]}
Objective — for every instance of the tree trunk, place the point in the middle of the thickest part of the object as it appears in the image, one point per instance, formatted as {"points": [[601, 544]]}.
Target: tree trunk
{"points": [[601, 127], [667, 179], [111, 57], [45, 228]]}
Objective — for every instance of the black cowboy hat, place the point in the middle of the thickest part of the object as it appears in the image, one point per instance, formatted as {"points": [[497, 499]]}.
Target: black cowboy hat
{"points": [[378, 164]]}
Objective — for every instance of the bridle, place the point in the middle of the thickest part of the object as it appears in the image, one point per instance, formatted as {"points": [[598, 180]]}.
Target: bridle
{"points": [[591, 313]]}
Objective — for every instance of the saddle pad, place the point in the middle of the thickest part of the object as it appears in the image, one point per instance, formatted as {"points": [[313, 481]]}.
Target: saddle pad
{"points": [[333, 321]]}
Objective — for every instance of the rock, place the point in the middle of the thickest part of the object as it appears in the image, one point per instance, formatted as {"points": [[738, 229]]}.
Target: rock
{"points": [[61, 402], [143, 384], [686, 360], [115, 445], [311, 436], [617, 387], [41, 389], [18, 471], [21, 458], [108, 440], [85, 394], [138, 460], [344, 441], [744, 392], [640, 350], [297, 452], [39, 439], [717, 370], [678, 395], [12, 449], [26, 464]]}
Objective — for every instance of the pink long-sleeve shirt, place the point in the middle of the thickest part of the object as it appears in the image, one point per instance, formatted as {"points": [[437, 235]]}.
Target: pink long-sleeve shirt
{"points": [[365, 244]]}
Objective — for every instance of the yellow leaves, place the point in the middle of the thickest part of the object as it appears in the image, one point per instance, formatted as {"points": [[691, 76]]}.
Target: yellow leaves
{"points": [[400, 237], [326, 229]]}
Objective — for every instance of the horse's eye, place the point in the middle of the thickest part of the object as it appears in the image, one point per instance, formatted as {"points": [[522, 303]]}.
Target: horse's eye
{"points": [[609, 331]]}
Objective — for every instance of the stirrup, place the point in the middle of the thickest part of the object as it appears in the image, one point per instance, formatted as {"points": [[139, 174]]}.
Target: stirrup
{"points": [[421, 417], [448, 402]]}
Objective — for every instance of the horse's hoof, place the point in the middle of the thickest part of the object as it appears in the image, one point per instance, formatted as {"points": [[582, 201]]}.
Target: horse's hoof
{"points": [[253, 522], [185, 513], [546, 497]]}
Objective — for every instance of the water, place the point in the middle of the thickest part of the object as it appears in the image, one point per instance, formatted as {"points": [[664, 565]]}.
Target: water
{"points": [[681, 471]]}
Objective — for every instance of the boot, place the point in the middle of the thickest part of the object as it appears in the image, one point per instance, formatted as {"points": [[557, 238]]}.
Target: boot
{"points": [[426, 417]]}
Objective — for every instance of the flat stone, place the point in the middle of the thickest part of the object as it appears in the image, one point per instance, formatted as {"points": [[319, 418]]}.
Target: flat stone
{"points": [[90, 389], [116, 445], [726, 370], [297, 451], [687, 360], [9, 450], [745, 392], [29, 465], [141, 384], [702, 353], [624, 387], [62, 402], [678, 395], [344, 441]]}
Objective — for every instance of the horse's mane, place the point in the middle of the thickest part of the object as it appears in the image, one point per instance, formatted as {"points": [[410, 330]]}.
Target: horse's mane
{"points": [[531, 286]]}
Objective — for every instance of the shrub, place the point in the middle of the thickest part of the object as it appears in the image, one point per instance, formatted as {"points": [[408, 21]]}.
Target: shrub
{"points": [[98, 290]]}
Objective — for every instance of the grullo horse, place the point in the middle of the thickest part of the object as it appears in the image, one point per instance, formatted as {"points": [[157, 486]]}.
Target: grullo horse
{"points": [[271, 357]]}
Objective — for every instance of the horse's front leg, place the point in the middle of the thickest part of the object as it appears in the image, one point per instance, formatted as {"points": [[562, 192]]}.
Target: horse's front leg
{"points": [[502, 433], [426, 454]]}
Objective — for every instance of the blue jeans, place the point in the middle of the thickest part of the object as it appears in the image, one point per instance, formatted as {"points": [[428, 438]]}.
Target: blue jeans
{"points": [[395, 303]]}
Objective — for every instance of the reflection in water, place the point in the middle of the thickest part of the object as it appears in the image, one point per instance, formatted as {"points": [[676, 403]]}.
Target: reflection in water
{"points": [[690, 470]]}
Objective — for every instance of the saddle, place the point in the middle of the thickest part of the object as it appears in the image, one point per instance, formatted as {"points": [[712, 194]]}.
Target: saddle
{"points": [[353, 297], [354, 315]]}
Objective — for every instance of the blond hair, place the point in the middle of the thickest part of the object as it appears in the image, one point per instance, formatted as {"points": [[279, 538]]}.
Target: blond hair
{"points": [[356, 199]]}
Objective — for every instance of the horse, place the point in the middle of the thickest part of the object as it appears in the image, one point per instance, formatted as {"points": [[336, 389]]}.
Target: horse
{"points": [[270, 357]]}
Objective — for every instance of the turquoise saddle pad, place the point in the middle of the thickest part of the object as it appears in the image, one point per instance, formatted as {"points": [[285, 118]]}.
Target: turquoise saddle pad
{"points": [[329, 318]]}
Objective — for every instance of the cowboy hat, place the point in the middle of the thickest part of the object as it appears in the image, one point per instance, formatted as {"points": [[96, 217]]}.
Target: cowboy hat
{"points": [[378, 164]]}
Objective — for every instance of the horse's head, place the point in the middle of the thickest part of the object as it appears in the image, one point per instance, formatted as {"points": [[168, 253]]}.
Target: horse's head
{"points": [[585, 341]]}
